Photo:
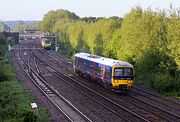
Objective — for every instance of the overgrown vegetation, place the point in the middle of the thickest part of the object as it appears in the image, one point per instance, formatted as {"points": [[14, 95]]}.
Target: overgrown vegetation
{"points": [[14, 99], [150, 40]]}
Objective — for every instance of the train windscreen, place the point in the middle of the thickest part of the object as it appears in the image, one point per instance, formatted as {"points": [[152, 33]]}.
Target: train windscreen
{"points": [[47, 41], [123, 73]]}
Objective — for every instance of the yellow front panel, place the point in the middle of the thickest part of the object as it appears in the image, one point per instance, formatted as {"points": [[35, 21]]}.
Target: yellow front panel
{"points": [[119, 83], [47, 45], [116, 83]]}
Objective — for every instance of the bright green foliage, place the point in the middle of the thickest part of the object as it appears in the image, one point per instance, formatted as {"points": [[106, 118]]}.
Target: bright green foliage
{"points": [[98, 44], [52, 17], [80, 33], [81, 43], [76, 33], [142, 31], [173, 37]]}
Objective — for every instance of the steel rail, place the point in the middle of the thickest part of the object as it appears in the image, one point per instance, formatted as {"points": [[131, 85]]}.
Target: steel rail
{"points": [[147, 92], [57, 73], [168, 112], [28, 73], [66, 101]]}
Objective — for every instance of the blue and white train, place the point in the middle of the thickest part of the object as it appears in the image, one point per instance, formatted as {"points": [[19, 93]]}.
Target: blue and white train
{"points": [[117, 75]]}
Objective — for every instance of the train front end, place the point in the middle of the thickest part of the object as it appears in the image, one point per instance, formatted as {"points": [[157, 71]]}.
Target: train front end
{"points": [[47, 44], [122, 78]]}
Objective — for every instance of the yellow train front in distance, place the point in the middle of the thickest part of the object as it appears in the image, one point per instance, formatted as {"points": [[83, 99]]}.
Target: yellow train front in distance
{"points": [[46, 43]]}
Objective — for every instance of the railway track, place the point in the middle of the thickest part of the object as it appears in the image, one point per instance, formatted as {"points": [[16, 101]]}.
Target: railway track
{"points": [[70, 112], [52, 70], [98, 95], [158, 100], [157, 97], [116, 109], [170, 114]]}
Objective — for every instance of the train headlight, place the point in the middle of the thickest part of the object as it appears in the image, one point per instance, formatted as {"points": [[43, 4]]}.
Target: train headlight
{"points": [[129, 81], [115, 81]]}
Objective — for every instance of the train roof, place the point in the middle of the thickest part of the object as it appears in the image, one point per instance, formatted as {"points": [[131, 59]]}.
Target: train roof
{"points": [[102, 60]]}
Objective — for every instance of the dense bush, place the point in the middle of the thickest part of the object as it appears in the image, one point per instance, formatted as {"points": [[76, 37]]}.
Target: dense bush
{"points": [[157, 70], [3, 75]]}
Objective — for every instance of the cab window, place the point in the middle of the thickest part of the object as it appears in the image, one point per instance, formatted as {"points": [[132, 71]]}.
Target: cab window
{"points": [[128, 72], [123, 73], [118, 72]]}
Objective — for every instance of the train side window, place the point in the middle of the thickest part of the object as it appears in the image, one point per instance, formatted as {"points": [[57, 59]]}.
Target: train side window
{"points": [[98, 70], [91, 66], [86, 64], [107, 74], [80, 63]]}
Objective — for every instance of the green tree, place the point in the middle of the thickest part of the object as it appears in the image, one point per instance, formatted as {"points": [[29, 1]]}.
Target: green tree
{"points": [[52, 17], [140, 31], [98, 44], [173, 37], [157, 69]]}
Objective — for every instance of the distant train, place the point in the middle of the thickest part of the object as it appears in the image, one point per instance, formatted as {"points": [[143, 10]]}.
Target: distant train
{"points": [[114, 74], [46, 43]]}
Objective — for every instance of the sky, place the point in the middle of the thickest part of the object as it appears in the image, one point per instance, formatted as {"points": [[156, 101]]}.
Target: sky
{"points": [[35, 9]]}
